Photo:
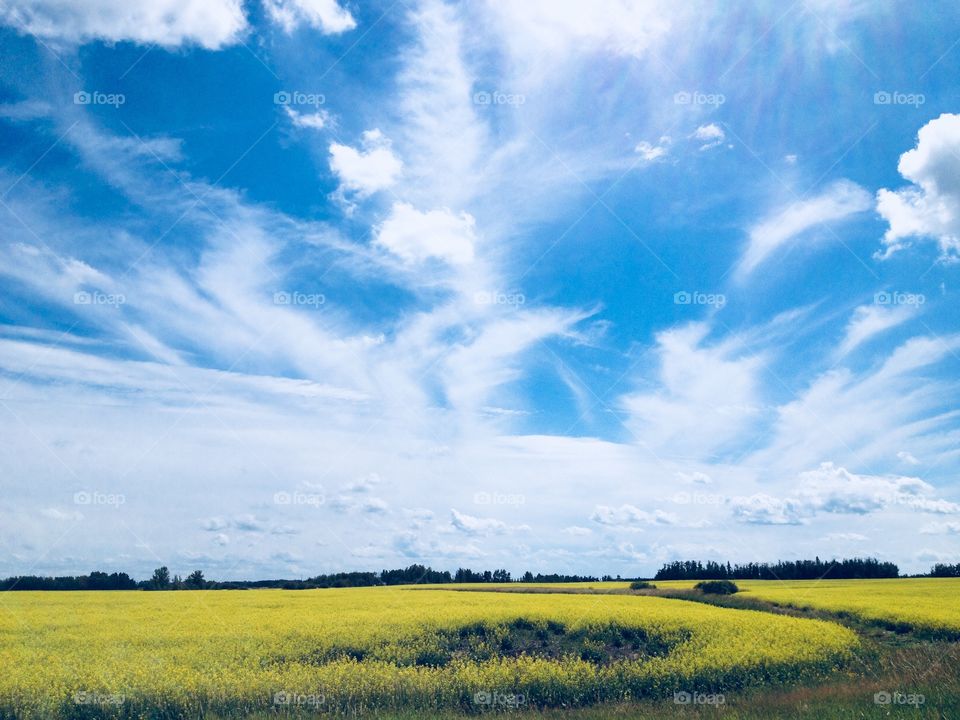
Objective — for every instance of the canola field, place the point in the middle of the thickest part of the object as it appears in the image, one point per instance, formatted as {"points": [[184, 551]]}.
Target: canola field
{"points": [[232, 653], [928, 605]]}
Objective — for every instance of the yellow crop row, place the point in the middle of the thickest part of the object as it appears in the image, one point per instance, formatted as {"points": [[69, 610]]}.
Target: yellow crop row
{"points": [[925, 604]]}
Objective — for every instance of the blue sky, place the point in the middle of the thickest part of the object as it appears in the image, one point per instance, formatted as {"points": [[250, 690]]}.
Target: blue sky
{"points": [[292, 286]]}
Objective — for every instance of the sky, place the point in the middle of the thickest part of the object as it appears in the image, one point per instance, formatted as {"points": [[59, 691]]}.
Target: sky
{"points": [[292, 286]]}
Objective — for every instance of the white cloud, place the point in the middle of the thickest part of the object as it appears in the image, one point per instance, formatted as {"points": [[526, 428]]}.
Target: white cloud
{"points": [[630, 516], [860, 418], [326, 15], [871, 320], [416, 236], [784, 226], [694, 477], [577, 531], [711, 135], [557, 27], [907, 458], [482, 526], [706, 399], [60, 515], [313, 121], [364, 172], [944, 528], [215, 524], [211, 24], [931, 206], [650, 152], [835, 490], [764, 509]]}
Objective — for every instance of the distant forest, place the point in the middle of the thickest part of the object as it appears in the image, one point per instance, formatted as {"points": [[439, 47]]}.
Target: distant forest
{"points": [[161, 580], [856, 568]]}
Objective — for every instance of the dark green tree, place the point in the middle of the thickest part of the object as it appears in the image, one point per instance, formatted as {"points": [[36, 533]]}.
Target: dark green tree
{"points": [[161, 578]]}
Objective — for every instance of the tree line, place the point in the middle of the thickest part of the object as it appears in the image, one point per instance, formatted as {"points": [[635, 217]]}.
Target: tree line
{"points": [[162, 580], [853, 568], [942, 570]]}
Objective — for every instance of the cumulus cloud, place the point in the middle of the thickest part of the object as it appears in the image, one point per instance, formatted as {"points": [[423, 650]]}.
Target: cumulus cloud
{"points": [[833, 489], [326, 15], [365, 484], [416, 236], [787, 224], [651, 152], [471, 525], [576, 531], [697, 477], [215, 524], [368, 170], [630, 516], [212, 24], [312, 121], [942, 528], [711, 135], [930, 207], [907, 458]]}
